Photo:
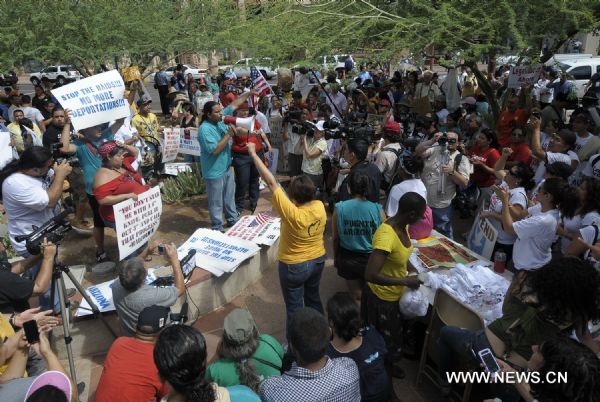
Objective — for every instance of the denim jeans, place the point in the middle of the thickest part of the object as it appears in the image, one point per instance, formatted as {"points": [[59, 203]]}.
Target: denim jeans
{"points": [[44, 300], [246, 178], [300, 287], [442, 220], [220, 193]]}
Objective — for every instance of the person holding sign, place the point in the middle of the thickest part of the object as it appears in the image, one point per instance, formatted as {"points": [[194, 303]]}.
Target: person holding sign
{"points": [[116, 180], [301, 248], [90, 160]]}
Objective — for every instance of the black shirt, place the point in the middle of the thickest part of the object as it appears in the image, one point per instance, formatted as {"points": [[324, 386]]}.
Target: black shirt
{"points": [[51, 135], [374, 183], [15, 292]]}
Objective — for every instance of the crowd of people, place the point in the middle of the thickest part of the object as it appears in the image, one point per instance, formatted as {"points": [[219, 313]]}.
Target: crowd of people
{"points": [[391, 157]]}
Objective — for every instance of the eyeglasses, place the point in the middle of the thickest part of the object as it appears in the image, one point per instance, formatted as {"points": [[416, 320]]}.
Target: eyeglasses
{"points": [[452, 140]]}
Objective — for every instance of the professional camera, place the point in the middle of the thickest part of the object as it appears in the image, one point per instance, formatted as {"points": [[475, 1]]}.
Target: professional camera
{"points": [[54, 230], [59, 157], [348, 130], [443, 139], [292, 115]]}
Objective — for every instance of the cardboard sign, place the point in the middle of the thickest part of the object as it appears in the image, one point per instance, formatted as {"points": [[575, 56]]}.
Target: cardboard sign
{"points": [[521, 75], [260, 229], [94, 100], [136, 221], [170, 144], [131, 73], [482, 237], [174, 169], [188, 141], [216, 252]]}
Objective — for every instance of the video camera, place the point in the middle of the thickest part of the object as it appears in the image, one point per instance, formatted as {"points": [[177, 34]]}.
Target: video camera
{"points": [[54, 230], [59, 157], [349, 131]]}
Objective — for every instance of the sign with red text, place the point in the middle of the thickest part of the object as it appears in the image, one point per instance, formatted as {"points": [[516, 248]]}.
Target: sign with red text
{"points": [[188, 141], [522, 75], [136, 221], [94, 100], [170, 144]]}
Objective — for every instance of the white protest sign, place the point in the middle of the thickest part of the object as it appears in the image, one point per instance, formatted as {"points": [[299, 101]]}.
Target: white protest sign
{"points": [[521, 75], [216, 252], [136, 221], [6, 151], [94, 100], [175, 168], [170, 144], [188, 142], [260, 229], [101, 295], [482, 237]]}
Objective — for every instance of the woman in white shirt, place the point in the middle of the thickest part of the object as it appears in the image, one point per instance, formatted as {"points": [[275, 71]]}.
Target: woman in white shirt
{"points": [[536, 233], [587, 214]]}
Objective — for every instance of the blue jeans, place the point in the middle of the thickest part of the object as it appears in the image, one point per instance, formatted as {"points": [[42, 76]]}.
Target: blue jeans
{"points": [[300, 287], [442, 220], [221, 199], [44, 300], [246, 178]]}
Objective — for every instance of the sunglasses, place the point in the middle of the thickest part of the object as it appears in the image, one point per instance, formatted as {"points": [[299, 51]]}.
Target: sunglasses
{"points": [[452, 141]]}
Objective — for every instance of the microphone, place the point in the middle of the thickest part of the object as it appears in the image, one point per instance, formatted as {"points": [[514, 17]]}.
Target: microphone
{"points": [[187, 258]]}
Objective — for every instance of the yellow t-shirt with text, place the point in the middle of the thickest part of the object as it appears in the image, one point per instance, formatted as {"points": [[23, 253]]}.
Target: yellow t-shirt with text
{"points": [[146, 126], [396, 263], [302, 229]]}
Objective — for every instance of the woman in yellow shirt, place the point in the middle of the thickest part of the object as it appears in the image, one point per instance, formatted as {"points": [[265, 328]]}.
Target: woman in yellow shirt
{"points": [[386, 275], [301, 245]]}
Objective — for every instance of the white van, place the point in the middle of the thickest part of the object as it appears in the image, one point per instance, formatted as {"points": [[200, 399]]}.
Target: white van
{"points": [[580, 71]]}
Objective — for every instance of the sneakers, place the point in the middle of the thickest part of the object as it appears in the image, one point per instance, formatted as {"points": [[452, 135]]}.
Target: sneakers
{"points": [[82, 226], [102, 257]]}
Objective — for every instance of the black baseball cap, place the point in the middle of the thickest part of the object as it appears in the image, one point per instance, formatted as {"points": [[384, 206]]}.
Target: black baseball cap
{"points": [[152, 319]]}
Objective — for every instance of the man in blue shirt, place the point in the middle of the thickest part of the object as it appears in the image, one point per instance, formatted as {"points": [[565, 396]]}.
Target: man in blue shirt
{"points": [[90, 160], [161, 83], [215, 160]]}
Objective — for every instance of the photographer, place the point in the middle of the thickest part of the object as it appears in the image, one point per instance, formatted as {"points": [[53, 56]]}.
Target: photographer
{"points": [[356, 155], [86, 150], [293, 137], [314, 147], [444, 171], [387, 158], [131, 295]]}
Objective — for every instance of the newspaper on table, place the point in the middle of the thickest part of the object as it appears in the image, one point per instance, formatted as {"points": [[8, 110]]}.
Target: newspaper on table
{"points": [[216, 252], [261, 229], [101, 295]]}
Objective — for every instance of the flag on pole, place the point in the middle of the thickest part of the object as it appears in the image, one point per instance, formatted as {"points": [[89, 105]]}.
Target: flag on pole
{"points": [[260, 84]]}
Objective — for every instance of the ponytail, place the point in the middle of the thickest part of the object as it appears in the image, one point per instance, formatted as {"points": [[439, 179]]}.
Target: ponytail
{"points": [[563, 196], [241, 354], [208, 106]]}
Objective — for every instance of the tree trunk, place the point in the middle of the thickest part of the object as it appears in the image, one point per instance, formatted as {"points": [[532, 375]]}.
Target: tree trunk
{"points": [[486, 87]]}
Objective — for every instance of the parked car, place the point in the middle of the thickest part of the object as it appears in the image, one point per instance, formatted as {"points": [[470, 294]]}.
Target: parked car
{"points": [[335, 62], [60, 74], [9, 79], [197, 73], [264, 65], [580, 71]]}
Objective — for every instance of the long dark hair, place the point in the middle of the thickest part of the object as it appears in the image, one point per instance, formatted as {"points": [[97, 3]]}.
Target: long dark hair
{"points": [[180, 357], [32, 158], [591, 202], [525, 175], [241, 354], [344, 314], [359, 184], [563, 195], [207, 109]]}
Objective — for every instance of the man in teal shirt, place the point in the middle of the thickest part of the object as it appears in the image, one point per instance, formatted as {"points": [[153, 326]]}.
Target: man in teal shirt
{"points": [[214, 137]]}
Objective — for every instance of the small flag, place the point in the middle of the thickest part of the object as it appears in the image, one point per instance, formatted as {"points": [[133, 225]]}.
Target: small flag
{"points": [[263, 218], [259, 82]]}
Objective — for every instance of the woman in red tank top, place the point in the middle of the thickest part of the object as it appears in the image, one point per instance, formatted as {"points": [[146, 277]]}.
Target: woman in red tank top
{"points": [[116, 180]]}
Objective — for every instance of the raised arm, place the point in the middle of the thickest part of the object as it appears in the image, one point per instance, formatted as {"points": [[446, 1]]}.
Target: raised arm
{"points": [[424, 145], [264, 172], [242, 98], [65, 138], [507, 220], [536, 142], [499, 171]]}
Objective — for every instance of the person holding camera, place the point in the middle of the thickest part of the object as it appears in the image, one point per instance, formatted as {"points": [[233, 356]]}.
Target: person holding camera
{"points": [[444, 171], [86, 149], [356, 155], [131, 294], [314, 147], [293, 137]]}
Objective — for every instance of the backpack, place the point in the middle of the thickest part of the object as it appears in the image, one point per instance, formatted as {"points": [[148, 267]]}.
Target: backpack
{"points": [[396, 176]]}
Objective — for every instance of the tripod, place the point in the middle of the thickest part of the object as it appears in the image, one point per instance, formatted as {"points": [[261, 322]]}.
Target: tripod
{"points": [[58, 283]]}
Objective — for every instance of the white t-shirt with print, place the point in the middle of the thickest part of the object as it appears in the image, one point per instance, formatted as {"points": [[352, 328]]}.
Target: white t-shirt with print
{"points": [[406, 186], [313, 166], [517, 196], [588, 235], [592, 168], [575, 223], [535, 235]]}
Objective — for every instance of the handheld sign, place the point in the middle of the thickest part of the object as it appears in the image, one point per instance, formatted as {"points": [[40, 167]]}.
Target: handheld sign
{"points": [[94, 100], [521, 75], [482, 237], [171, 144]]}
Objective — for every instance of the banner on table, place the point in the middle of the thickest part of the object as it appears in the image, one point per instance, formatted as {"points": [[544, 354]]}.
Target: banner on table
{"points": [[522, 75], [216, 252], [94, 100], [136, 221], [170, 144], [188, 141], [482, 237], [260, 229], [174, 169], [101, 295]]}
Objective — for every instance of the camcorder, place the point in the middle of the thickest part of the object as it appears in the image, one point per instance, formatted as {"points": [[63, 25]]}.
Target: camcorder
{"points": [[54, 230], [348, 130], [60, 158]]}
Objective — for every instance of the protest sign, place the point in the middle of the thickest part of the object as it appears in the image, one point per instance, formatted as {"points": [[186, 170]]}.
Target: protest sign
{"points": [[101, 295], [482, 237], [131, 73], [188, 141], [216, 252], [94, 100], [259, 229], [521, 75], [170, 144], [273, 160], [174, 169], [6, 151], [136, 221]]}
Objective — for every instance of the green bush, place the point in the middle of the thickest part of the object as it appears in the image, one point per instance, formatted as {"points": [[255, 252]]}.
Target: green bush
{"points": [[184, 185]]}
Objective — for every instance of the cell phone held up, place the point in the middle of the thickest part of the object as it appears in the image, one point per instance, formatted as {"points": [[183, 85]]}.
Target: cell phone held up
{"points": [[489, 361], [31, 331]]}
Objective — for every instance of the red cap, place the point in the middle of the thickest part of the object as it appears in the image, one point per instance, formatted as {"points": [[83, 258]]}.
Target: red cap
{"points": [[392, 127], [105, 149], [384, 102]]}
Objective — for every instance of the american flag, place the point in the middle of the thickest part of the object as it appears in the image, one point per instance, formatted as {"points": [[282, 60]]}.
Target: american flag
{"points": [[263, 218], [260, 84]]}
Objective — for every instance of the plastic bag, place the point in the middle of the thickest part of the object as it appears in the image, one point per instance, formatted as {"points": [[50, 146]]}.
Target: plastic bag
{"points": [[413, 303]]}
